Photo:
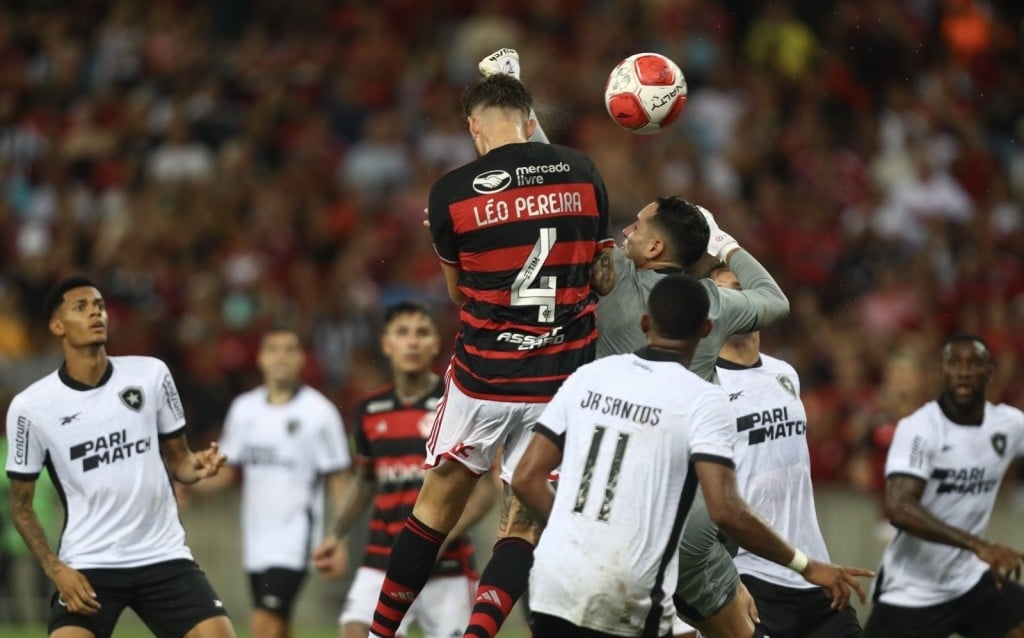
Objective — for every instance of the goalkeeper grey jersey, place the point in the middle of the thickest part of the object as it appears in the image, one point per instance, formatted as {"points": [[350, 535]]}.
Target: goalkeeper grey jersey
{"points": [[760, 303]]}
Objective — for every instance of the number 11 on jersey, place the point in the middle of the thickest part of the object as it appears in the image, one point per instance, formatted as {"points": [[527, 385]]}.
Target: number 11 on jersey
{"points": [[612, 484]]}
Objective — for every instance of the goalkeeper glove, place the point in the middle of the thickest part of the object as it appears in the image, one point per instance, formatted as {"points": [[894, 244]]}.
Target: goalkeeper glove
{"points": [[720, 243], [504, 61]]}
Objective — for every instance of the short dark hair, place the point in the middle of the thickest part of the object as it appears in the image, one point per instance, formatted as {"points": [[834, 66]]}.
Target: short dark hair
{"points": [[678, 306], [966, 337], [498, 90], [55, 297], [685, 230], [407, 308]]}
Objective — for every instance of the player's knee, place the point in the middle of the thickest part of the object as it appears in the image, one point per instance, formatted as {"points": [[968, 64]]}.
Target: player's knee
{"points": [[266, 624], [216, 627]]}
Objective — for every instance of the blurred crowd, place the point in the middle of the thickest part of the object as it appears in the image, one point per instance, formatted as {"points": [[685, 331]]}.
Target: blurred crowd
{"points": [[219, 166]]}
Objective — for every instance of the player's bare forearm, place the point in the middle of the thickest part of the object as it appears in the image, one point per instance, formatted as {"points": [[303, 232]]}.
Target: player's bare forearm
{"points": [[602, 272], [736, 518], [27, 523], [905, 511], [186, 466], [355, 497]]}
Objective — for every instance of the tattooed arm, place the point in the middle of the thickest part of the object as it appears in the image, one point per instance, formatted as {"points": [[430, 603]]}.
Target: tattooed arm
{"points": [[74, 589], [602, 272]]}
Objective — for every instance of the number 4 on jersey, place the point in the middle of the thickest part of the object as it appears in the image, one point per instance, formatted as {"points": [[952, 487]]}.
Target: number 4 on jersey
{"points": [[543, 296]]}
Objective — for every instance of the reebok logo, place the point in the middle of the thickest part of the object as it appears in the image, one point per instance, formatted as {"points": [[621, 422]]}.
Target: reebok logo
{"points": [[735, 395], [64, 420]]}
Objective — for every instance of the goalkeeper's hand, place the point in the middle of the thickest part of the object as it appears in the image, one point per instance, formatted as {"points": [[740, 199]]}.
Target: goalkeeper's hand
{"points": [[504, 61], [720, 243]]}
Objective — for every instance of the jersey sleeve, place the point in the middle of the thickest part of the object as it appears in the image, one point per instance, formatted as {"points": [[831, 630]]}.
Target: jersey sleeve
{"points": [[911, 451], [713, 436], [231, 436], [556, 414], [442, 229], [332, 453], [761, 301], [26, 451], [170, 414]]}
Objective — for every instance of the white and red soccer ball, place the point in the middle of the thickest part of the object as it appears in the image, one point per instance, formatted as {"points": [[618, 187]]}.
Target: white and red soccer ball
{"points": [[645, 93]]}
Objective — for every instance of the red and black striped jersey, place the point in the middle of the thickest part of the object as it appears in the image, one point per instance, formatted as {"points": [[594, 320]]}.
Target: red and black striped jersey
{"points": [[522, 224], [391, 443]]}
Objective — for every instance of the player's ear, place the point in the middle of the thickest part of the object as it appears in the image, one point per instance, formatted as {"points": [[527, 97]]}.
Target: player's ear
{"points": [[474, 126], [56, 326], [531, 127], [656, 248], [645, 323], [706, 330], [385, 346]]}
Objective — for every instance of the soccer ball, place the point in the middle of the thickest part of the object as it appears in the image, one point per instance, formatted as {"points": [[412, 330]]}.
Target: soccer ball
{"points": [[645, 93]]}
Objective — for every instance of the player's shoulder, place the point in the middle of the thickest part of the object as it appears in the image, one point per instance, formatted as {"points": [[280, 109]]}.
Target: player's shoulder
{"points": [[381, 399], [923, 417], [138, 364], [315, 397], [253, 397], [38, 393], [777, 366], [1006, 414]]}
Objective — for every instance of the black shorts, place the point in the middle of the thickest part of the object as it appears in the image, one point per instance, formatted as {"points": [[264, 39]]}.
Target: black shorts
{"points": [[170, 597], [276, 589], [982, 612], [546, 626], [790, 612]]}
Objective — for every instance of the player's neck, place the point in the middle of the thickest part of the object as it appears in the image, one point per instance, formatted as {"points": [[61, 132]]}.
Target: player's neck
{"points": [[662, 264], [284, 392], [500, 135], [744, 350], [86, 364], [972, 414], [411, 387]]}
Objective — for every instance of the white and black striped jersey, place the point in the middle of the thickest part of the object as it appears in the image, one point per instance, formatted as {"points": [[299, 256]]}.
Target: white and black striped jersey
{"points": [[629, 427], [101, 446], [773, 465], [284, 451], [963, 466]]}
